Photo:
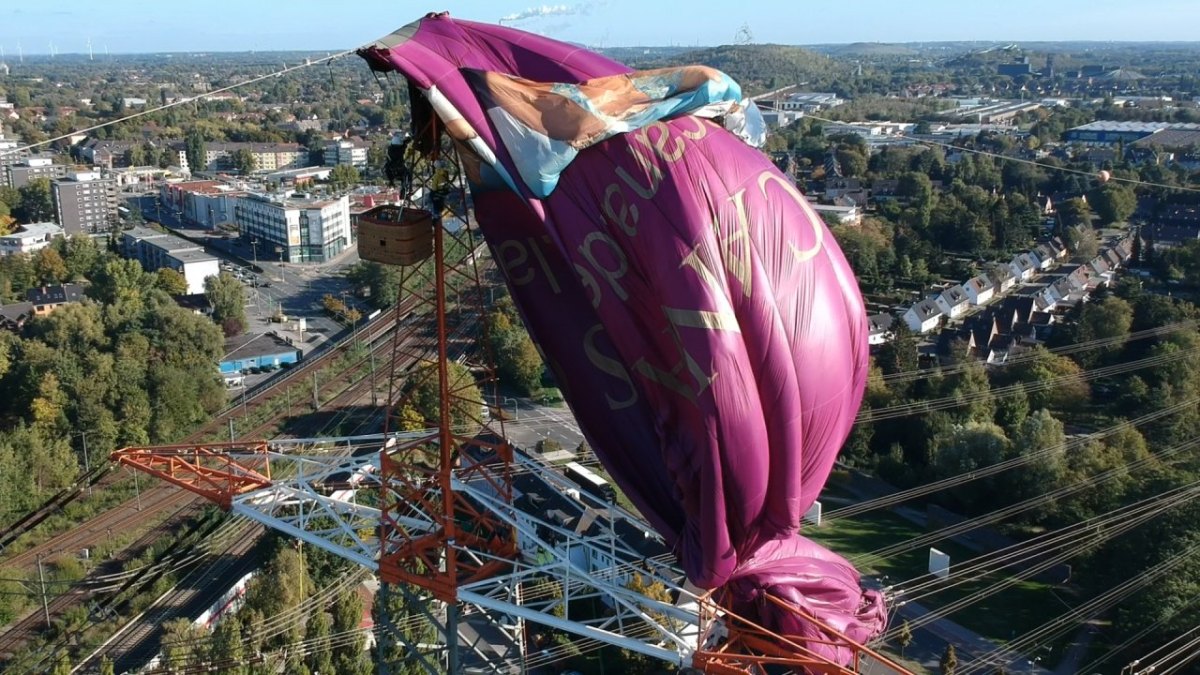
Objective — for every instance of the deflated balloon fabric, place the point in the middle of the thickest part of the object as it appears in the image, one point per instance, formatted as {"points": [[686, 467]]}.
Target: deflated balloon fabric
{"points": [[700, 319]]}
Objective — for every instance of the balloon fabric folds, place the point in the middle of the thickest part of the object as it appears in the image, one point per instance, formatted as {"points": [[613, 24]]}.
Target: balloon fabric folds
{"points": [[704, 326]]}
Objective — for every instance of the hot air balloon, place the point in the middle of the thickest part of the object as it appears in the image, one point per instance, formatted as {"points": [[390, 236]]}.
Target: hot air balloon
{"points": [[703, 324], [1103, 176]]}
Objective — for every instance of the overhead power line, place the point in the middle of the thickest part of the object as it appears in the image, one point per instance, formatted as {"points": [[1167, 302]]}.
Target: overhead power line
{"points": [[172, 104], [1022, 506], [1000, 467]]}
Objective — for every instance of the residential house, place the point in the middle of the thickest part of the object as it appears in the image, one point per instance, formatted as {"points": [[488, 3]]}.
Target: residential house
{"points": [[196, 303], [953, 301], [1045, 255], [838, 215], [923, 316], [1003, 279], [46, 299], [14, 316], [1163, 236], [1023, 266], [29, 238], [980, 289], [880, 326]]}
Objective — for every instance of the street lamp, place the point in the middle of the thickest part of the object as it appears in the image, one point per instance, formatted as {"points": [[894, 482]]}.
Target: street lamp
{"points": [[516, 408]]}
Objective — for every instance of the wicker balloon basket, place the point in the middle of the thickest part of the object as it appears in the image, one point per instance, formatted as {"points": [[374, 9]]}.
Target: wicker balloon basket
{"points": [[394, 235]]}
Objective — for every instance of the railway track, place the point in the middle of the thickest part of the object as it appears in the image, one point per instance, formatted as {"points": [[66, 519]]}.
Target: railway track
{"points": [[269, 390], [152, 501], [143, 634], [355, 388]]}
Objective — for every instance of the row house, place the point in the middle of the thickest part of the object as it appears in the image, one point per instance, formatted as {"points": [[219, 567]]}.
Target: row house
{"points": [[1023, 266], [953, 301], [923, 316], [980, 289], [880, 328]]}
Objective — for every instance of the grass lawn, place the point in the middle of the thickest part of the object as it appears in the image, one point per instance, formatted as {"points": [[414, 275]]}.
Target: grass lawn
{"points": [[1011, 612]]}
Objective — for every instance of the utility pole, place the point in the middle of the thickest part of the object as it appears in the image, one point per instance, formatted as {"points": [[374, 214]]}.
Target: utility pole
{"points": [[137, 490], [42, 580], [316, 399], [231, 439]]}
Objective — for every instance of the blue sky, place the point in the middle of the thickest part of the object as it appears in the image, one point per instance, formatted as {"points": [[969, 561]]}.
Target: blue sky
{"points": [[238, 25]]}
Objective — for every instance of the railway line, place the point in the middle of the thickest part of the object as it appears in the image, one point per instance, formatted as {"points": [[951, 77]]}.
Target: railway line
{"points": [[155, 501], [140, 639], [351, 388]]}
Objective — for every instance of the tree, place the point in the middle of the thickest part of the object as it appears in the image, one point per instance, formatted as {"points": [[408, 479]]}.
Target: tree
{"points": [[347, 616], [1040, 439], [36, 204], [1113, 202], [197, 151], [80, 253], [343, 176], [949, 661], [243, 161], [517, 359], [905, 637], [1075, 213], [382, 282], [280, 589], [119, 280], [320, 657], [228, 299], [1082, 242], [226, 649], [465, 400], [172, 282], [50, 267]]}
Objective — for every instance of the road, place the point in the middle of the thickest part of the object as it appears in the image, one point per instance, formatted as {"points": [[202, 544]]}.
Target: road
{"points": [[296, 289]]}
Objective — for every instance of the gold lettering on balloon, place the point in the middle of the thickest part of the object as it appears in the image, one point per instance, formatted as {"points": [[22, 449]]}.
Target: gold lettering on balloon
{"points": [[514, 255], [735, 248], [537, 252], [701, 128], [627, 216], [614, 275], [722, 319], [659, 144], [511, 264], [672, 379], [589, 282], [610, 366], [654, 178], [818, 231]]}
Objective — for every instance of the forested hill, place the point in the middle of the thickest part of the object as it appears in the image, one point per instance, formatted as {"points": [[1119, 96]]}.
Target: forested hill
{"points": [[759, 68]]}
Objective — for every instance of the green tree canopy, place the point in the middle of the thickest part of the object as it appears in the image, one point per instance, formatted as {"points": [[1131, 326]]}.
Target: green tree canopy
{"points": [[1113, 202], [36, 205], [228, 299]]}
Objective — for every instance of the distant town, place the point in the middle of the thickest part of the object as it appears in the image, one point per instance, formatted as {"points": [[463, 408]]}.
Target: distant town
{"points": [[1023, 222]]}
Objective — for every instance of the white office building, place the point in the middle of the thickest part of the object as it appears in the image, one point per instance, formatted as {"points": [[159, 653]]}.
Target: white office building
{"points": [[300, 229], [156, 250], [29, 238]]}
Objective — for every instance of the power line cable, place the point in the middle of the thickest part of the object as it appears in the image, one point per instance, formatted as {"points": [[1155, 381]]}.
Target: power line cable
{"points": [[1002, 466], [177, 102], [1019, 507]]}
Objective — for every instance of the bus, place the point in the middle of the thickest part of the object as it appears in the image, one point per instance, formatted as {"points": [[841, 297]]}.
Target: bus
{"points": [[591, 482]]}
